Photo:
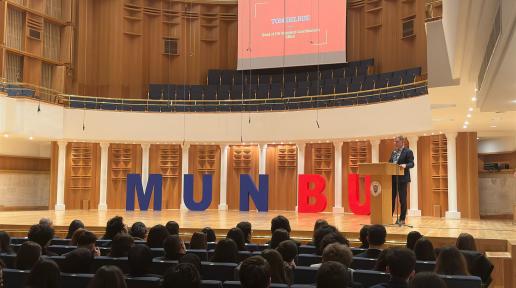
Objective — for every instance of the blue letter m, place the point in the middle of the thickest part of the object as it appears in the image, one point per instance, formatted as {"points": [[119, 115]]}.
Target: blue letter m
{"points": [[134, 181]]}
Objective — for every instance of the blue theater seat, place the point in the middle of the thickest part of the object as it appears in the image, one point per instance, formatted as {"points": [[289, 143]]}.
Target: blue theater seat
{"points": [[157, 252], [75, 280], [370, 278], [236, 284], [357, 251], [363, 263], [155, 91], [100, 261], [211, 284], [308, 259], [56, 241], [218, 271], [159, 267], [462, 281], [14, 278], [305, 275], [422, 266], [213, 77], [61, 249], [227, 77], [307, 249], [202, 253], [143, 282], [8, 259], [19, 240]]}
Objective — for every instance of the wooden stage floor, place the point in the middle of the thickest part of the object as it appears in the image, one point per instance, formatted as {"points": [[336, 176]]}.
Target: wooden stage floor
{"points": [[302, 224]]}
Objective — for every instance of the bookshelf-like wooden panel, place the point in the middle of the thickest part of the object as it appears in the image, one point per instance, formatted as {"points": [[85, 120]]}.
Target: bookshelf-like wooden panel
{"points": [[205, 159], [165, 159], [123, 159], [281, 166], [82, 176], [319, 159], [243, 159], [353, 153]]}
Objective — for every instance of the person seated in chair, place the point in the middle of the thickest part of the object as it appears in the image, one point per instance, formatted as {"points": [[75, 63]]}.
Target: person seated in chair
{"points": [[255, 272], [376, 235], [401, 263]]}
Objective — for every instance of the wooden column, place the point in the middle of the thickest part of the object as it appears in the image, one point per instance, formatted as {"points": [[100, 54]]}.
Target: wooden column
{"points": [[467, 175]]}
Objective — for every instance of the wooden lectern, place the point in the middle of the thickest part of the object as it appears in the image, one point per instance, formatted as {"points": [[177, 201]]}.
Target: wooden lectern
{"points": [[381, 189]]}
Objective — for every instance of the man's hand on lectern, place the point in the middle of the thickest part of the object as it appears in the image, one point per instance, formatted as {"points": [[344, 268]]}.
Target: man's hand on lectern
{"points": [[403, 166]]}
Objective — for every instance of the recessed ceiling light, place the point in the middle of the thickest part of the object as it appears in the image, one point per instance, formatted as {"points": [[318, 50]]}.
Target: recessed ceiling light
{"points": [[470, 109], [474, 98], [465, 126], [466, 122], [514, 101], [478, 138], [432, 133], [476, 89], [6, 135], [493, 126], [30, 138], [469, 115], [424, 134]]}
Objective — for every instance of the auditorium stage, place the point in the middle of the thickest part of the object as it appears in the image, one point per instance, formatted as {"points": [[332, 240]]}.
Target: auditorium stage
{"points": [[18, 222]]}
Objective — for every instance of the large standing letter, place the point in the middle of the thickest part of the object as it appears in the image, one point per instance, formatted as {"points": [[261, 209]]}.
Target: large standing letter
{"points": [[260, 196], [354, 195], [134, 181], [206, 192], [316, 192]]}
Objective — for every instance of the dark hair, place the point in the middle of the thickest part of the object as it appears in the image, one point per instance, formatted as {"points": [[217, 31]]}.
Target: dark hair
{"points": [[5, 243], [238, 236], [337, 252], [121, 245], [280, 222], [412, 237], [401, 262], [424, 250], [451, 262], [333, 237], [465, 241], [278, 273], [279, 235], [87, 238], [192, 259], [77, 261], [246, 229], [427, 280], [41, 234], [363, 237], [172, 227], [318, 224], [225, 251], [28, 254], [376, 235], [210, 234], [255, 272], [198, 241], [74, 225], [381, 261], [138, 230], [156, 236], [184, 275], [173, 246], [288, 250], [332, 274], [108, 276], [76, 235], [46, 221], [114, 226], [319, 235], [44, 274], [140, 260]]}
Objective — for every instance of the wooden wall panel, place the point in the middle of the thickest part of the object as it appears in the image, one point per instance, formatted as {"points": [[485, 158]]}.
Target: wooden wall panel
{"points": [[282, 170], [165, 159], [424, 159], [354, 153], [123, 159], [82, 175], [467, 175], [17, 163], [242, 159], [320, 159], [205, 159]]}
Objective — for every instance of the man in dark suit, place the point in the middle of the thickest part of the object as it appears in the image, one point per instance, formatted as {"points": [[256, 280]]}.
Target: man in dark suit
{"points": [[404, 157]]}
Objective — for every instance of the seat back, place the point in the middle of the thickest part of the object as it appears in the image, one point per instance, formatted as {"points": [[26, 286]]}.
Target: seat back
{"points": [[159, 267], [8, 259], [143, 282], [305, 275], [202, 253], [363, 263], [14, 278], [308, 259], [422, 266], [462, 281], [61, 249], [100, 261], [218, 271], [75, 280], [370, 278], [211, 284]]}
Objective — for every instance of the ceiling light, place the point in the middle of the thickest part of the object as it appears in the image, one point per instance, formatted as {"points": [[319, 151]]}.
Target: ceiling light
{"points": [[469, 115], [513, 101], [476, 89], [474, 98], [466, 122], [465, 126], [470, 109], [493, 126], [424, 134], [30, 138], [432, 133], [6, 135], [478, 138]]}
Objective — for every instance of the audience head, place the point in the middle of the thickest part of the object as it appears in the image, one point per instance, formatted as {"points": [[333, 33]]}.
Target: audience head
{"points": [[138, 231], [121, 245], [225, 251], [427, 280], [28, 254], [87, 240], [172, 227], [255, 272], [337, 252], [318, 224], [140, 260], [76, 235], [412, 237], [424, 250], [465, 241], [280, 222], [279, 235], [114, 226], [74, 225], [41, 234], [5, 243], [210, 234], [184, 275], [381, 261], [192, 259], [320, 233], [198, 241], [174, 247], [77, 261], [451, 262], [333, 237], [363, 236], [237, 235], [288, 250], [277, 268], [46, 221], [108, 276], [246, 229], [44, 274], [156, 236], [401, 263], [376, 235], [332, 274]]}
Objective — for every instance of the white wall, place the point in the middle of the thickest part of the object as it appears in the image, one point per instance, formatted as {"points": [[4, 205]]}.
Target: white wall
{"points": [[24, 147], [497, 145]]}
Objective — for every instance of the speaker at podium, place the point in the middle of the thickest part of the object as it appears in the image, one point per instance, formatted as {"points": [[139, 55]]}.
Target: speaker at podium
{"points": [[381, 189]]}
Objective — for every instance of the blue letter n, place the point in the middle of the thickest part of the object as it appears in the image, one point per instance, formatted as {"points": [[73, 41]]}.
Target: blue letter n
{"points": [[260, 196]]}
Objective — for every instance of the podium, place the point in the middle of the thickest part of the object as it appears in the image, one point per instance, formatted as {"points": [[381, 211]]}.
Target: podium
{"points": [[381, 189]]}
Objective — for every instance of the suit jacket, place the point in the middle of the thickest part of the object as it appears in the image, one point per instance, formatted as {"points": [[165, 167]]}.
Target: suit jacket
{"points": [[371, 253], [394, 283], [406, 157]]}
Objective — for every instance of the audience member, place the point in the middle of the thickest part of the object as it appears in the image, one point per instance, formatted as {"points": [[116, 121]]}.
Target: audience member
{"points": [[333, 237], [412, 237], [319, 235], [288, 251], [280, 222], [318, 224], [451, 262], [138, 231], [332, 274], [279, 235], [255, 272], [46, 221], [336, 252], [156, 236], [381, 261], [88, 240], [108, 277], [42, 234], [376, 235], [427, 280], [44, 274], [225, 251], [76, 235], [198, 241], [210, 234], [114, 226], [174, 248], [192, 259], [5, 243], [363, 237], [400, 264], [172, 227], [247, 230], [74, 225], [140, 261], [424, 250], [184, 275], [465, 241], [121, 245], [277, 267], [77, 261], [237, 235], [28, 254]]}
